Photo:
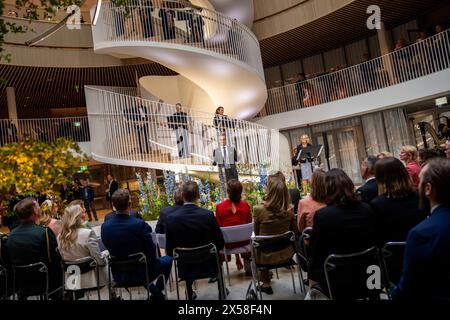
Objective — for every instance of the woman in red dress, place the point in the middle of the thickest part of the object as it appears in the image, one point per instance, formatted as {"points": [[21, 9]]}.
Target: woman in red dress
{"points": [[232, 212]]}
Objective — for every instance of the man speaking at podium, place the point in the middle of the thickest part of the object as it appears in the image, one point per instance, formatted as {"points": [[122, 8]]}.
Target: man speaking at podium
{"points": [[226, 157]]}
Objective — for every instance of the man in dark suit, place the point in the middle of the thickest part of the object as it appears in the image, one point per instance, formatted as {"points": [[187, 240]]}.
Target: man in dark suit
{"points": [[140, 119], [226, 157], [87, 195], [124, 235], [426, 266], [369, 190], [165, 212], [113, 186], [30, 243], [190, 227]]}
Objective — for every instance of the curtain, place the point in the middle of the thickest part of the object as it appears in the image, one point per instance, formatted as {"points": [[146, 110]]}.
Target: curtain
{"points": [[348, 151], [374, 134], [396, 130]]}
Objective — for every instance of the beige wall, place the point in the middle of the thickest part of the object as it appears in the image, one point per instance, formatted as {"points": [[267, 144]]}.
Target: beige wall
{"points": [[175, 89], [50, 57], [64, 37], [273, 17]]}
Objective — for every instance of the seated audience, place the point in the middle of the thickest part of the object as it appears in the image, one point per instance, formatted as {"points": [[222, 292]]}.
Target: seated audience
{"points": [[384, 154], [369, 189], [294, 194], [165, 212], [190, 227], [425, 155], [275, 216], [124, 235], [447, 150], [425, 273], [233, 212], [49, 210], [345, 225], [397, 206], [308, 206], [80, 203], [30, 243], [408, 154], [76, 242]]}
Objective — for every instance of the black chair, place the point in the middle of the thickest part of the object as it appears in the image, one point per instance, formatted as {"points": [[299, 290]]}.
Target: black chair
{"points": [[3, 283], [84, 265], [274, 243], [33, 280], [302, 253], [197, 263], [392, 257], [347, 274], [133, 264]]}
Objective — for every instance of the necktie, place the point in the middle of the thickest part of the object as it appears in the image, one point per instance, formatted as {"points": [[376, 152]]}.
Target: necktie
{"points": [[225, 157]]}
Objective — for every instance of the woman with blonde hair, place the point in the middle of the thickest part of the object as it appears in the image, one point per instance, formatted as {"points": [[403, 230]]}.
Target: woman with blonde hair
{"points": [[408, 154], [76, 242], [275, 216], [49, 210]]}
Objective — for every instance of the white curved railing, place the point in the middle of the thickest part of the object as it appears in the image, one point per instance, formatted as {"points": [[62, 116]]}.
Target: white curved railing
{"points": [[202, 29], [423, 58], [49, 129], [122, 134]]}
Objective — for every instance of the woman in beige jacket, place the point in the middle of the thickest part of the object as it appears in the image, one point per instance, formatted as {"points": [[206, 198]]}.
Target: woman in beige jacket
{"points": [[76, 242], [275, 216]]}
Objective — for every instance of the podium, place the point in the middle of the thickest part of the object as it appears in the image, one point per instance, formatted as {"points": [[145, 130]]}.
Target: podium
{"points": [[310, 153]]}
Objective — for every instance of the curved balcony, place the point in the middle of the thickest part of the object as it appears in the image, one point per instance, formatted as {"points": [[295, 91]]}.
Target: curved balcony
{"points": [[124, 135], [400, 70], [217, 53]]}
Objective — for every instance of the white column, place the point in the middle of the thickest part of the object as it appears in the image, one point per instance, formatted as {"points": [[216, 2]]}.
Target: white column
{"points": [[383, 40], [11, 100]]}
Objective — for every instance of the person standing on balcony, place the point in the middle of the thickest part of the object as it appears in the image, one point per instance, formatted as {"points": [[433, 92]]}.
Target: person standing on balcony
{"points": [[139, 116], [225, 157], [168, 21], [299, 87], [118, 19], [222, 123], [146, 18], [179, 123], [196, 26]]}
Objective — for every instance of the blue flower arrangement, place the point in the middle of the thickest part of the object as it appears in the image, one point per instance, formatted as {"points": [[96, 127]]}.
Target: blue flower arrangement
{"points": [[143, 198]]}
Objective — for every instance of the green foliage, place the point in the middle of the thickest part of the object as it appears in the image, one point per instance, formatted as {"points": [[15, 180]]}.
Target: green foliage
{"points": [[253, 193], [156, 202], [34, 167]]}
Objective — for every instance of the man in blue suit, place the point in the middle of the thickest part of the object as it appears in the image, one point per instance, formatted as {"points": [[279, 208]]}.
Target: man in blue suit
{"points": [[124, 235], [190, 227], [426, 266], [369, 190]]}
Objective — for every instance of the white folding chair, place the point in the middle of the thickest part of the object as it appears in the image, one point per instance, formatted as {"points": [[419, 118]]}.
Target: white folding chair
{"points": [[235, 234]]}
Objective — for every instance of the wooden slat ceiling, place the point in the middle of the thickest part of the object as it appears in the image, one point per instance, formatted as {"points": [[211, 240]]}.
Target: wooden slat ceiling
{"points": [[342, 26], [40, 88]]}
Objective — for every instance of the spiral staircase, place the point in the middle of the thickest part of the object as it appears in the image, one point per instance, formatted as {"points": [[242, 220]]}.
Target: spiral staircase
{"points": [[218, 54]]}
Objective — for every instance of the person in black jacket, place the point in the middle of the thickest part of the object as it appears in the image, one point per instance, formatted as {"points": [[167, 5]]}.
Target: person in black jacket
{"points": [[112, 187], [190, 227], [369, 189], [123, 235], [146, 18], [165, 212], [87, 195], [345, 225], [31, 243], [397, 206]]}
